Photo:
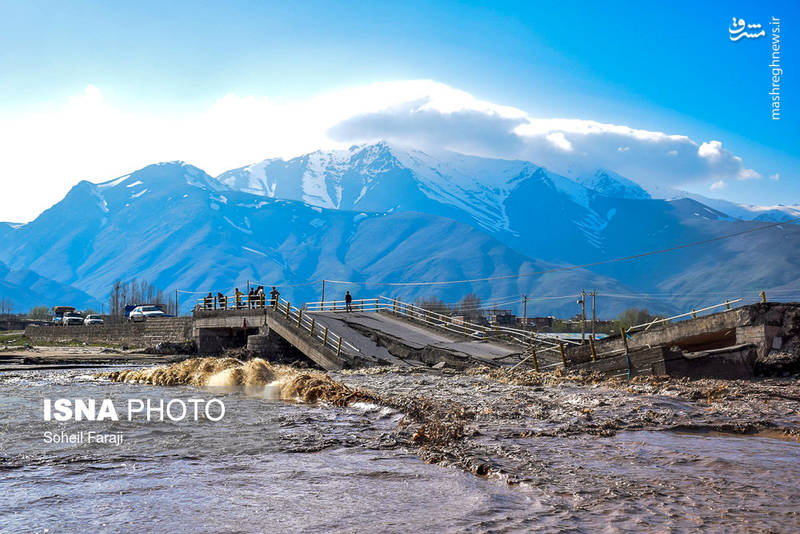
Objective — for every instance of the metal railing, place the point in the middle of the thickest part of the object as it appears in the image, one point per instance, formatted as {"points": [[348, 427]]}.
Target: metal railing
{"points": [[309, 324], [692, 313], [242, 301], [440, 321], [291, 313], [371, 304]]}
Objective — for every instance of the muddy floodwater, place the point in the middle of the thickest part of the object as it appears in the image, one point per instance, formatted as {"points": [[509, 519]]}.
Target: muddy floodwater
{"points": [[404, 451]]}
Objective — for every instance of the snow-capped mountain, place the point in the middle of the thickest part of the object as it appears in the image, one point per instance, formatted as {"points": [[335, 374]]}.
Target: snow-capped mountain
{"points": [[172, 225], [743, 212], [493, 195], [384, 178], [380, 213]]}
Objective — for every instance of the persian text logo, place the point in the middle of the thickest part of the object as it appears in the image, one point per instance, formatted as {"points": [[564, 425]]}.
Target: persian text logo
{"points": [[738, 27]]}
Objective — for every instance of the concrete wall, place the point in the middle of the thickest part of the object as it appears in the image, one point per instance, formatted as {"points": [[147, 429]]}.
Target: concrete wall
{"points": [[146, 334], [730, 363], [694, 334]]}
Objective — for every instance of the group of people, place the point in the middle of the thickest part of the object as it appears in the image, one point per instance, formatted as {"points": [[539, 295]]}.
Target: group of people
{"points": [[256, 299]]}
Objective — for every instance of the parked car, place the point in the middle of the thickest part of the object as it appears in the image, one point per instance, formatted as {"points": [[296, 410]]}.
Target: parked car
{"points": [[140, 313], [93, 319], [71, 318], [59, 311]]}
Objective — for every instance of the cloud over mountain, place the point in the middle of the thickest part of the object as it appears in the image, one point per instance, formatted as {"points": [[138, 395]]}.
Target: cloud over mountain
{"points": [[93, 135], [482, 128]]}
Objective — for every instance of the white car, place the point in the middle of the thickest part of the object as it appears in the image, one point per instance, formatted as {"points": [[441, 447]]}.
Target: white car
{"points": [[93, 319], [71, 318], [140, 313]]}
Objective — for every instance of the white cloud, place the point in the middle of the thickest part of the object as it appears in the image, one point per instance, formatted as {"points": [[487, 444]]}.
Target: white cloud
{"points": [[719, 184], [558, 140], [88, 137], [775, 176], [747, 174], [711, 150]]}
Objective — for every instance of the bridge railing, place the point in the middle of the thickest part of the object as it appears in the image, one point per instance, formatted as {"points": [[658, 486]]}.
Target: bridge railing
{"points": [[440, 321], [693, 314], [367, 305], [231, 302], [308, 324]]}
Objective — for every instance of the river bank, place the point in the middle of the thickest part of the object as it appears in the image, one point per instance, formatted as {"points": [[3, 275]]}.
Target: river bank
{"points": [[22, 357]]}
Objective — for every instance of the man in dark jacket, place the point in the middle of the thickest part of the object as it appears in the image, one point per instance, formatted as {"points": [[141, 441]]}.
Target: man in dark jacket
{"points": [[274, 296], [348, 300]]}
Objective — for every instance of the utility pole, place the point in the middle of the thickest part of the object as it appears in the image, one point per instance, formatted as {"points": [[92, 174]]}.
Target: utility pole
{"points": [[582, 302], [594, 315], [524, 310], [323, 295]]}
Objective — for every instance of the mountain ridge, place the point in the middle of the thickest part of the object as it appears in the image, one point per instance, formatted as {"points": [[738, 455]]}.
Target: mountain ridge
{"points": [[377, 212]]}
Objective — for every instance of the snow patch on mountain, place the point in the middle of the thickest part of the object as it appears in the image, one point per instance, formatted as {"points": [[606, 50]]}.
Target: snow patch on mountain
{"points": [[611, 184]]}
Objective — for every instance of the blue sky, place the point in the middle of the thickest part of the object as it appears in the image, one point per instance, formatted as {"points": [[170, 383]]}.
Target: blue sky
{"points": [[666, 68]]}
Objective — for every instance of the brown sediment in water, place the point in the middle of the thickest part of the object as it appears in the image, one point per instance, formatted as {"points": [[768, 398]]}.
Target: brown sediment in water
{"points": [[305, 386], [426, 421]]}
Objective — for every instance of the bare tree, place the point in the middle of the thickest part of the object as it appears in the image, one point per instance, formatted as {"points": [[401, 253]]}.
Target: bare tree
{"points": [[137, 292], [433, 304], [470, 307], [6, 307]]}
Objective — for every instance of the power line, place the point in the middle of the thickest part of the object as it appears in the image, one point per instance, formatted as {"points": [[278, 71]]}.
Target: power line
{"points": [[535, 273], [573, 267]]}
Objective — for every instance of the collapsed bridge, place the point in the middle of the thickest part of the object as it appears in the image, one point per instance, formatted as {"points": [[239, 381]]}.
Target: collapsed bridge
{"points": [[377, 332]]}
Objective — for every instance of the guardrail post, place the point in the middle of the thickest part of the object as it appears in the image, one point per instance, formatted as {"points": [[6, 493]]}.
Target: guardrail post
{"points": [[288, 307], [362, 305], [339, 347], [727, 305], [377, 304], [299, 318], [412, 311], [763, 297], [311, 333], [594, 353], [428, 317], [563, 356], [694, 314], [325, 338], [624, 339], [535, 361]]}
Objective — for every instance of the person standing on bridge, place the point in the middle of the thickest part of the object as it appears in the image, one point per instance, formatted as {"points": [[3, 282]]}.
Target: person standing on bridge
{"points": [[274, 296], [348, 301], [251, 298], [260, 296], [237, 298], [222, 300]]}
